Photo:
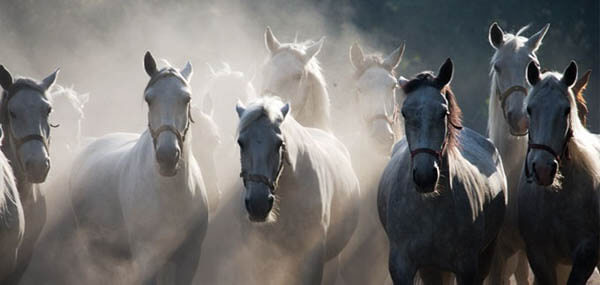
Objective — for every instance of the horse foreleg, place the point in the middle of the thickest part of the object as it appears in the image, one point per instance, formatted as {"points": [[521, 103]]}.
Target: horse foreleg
{"points": [[543, 268], [401, 269], [584, 261], [312, 265], [485, 261], [187, 256]]}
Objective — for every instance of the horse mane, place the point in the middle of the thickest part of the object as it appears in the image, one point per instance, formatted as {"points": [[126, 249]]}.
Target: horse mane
{"points": [[263, 107], [454, 122], [584, 146], [579, 89], [68, 93]]}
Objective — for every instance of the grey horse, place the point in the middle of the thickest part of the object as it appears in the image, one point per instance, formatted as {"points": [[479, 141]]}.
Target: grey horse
{"points": [[442, 197], [559, 191], [24, 115]]}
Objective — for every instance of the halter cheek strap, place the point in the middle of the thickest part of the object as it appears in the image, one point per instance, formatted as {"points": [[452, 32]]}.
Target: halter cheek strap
{"points": [[564, 153]]}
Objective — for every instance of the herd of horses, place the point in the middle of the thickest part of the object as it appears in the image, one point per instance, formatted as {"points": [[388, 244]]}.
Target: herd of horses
{"points": [[404, 192]]}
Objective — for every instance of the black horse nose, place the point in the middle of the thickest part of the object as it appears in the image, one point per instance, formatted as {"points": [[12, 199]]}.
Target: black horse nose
{"points": [[425, 180]]}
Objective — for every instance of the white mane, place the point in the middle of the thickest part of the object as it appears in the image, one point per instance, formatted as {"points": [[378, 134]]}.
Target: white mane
{"points": [[269, 107]]}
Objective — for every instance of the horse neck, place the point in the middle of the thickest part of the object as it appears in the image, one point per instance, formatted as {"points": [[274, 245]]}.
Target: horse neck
{"points": [[315, 108], [512, 149]]}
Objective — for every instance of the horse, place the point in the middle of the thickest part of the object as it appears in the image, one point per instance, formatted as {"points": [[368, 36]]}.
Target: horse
{"points": [[507, 128], [301, 195], [292, 72], [559, 190], [11, 213], [68, 108], [139, 200], [375, 95], [24, 113], [442, 196]]}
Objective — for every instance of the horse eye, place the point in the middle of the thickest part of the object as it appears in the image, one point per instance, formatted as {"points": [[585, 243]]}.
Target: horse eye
{"points": [[187, 100], [567, 111], [240, 144], [49, 110], [528, 111], [496, 68]]}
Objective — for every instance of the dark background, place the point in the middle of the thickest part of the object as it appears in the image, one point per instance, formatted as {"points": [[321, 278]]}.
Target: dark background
{"points": [[99, 44]]}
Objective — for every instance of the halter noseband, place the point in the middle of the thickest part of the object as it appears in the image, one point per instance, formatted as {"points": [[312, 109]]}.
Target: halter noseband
{"points": [[169, 128], [563, 153], [258, 178], [10, 93], [503, 96]]}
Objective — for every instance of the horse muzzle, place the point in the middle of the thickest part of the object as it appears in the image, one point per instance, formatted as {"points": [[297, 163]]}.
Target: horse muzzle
{"points": [[544, 172], [425, 174], [35, 161], [258, 201], [167, 157]]}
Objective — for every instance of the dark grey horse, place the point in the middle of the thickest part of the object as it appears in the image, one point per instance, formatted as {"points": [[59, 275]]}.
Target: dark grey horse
{"points": [[442, 196]]}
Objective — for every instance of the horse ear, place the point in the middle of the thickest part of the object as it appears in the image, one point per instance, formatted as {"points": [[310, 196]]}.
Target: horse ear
{"points": [[496, 35], [582, 83], [570, 74], [240, 109], [393, 59], [285, 109], [533, 73], [208, 105], [444, 75], [50, 80], [187, 71], [271, 41], [150, 64], [535, 41], [314, 49], [6, 80], [357, 57]]}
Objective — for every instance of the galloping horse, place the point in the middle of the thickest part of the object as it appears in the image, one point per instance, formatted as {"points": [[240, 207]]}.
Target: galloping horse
{"points": [[301, 194], [292, 72], [507, 127], [24, 115], [559, 191], [140, 199], [13, 225], [442, 196], [376, 88]]}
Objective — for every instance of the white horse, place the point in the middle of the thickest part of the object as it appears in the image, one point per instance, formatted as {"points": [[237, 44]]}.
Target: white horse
{"points": [[377, 128], [559, 191], [24, 115], [442, 196], [507, 127], [13, 223], [68, 113], [292, 72], [141, 198], [301, 194]]}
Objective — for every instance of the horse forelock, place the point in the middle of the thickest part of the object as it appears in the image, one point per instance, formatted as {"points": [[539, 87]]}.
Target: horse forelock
{"points": [[454, 118], [371, 60]]}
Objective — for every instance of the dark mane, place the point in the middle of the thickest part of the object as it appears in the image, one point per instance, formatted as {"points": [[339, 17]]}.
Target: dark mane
{"points": [[454, 124]]}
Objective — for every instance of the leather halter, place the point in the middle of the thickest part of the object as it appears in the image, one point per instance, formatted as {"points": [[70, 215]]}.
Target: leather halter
{"points": [[557, 155], [10, 93], [438, 154], [180, 135], [259, 178], [503, 96]]}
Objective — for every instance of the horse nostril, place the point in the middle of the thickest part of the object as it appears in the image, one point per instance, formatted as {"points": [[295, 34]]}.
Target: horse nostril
{"points": [[47, 163], [553, 167]]}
